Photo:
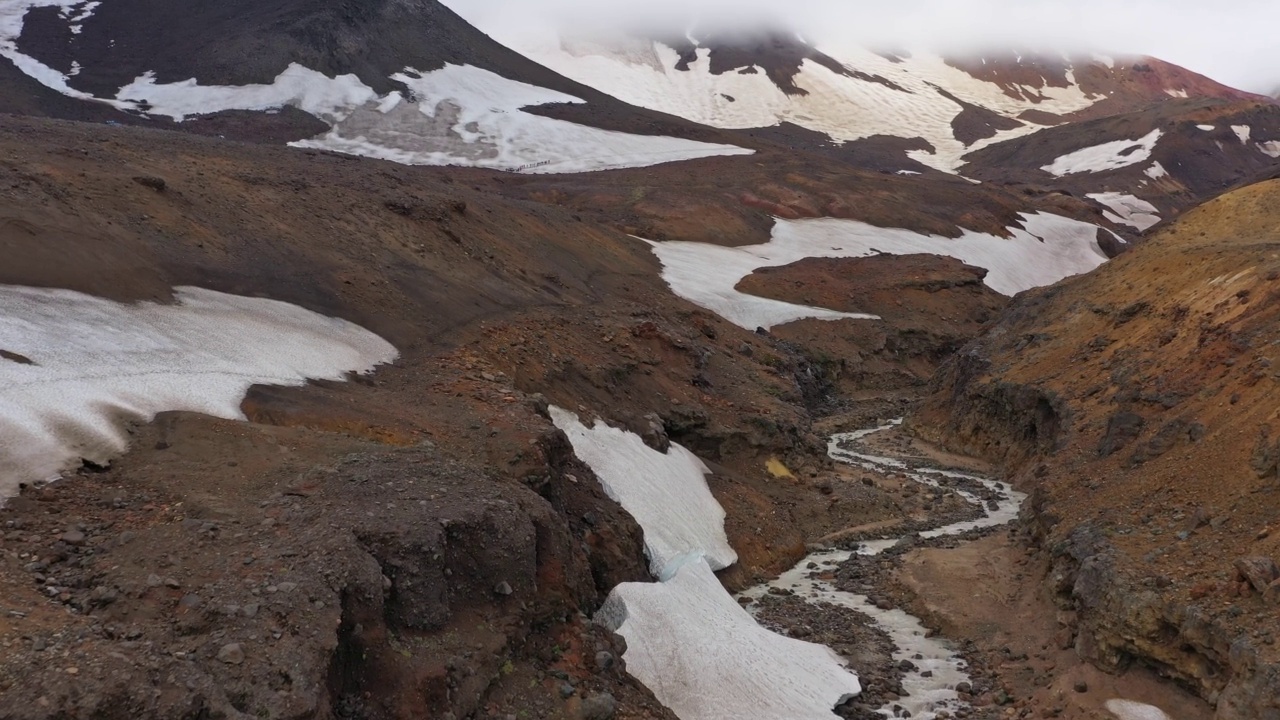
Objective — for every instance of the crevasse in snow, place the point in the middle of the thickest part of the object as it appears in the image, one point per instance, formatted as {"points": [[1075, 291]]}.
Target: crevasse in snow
{"points": [[84, 366]]}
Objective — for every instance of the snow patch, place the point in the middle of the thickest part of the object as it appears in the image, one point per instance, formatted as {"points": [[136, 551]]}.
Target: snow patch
{"points": [[1243, 132], [1128, 209], [312, 92], [97, 364], [706, 658], [1207, 128], [1182, 94], [1130, 710], [1107, 156], [463, 115], [1047, 249], [842, 107], [666, 493], [1156, 171], [458, 115], [1270, 147]]}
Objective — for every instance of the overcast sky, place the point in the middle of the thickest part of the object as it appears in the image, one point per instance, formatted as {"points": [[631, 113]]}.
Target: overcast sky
{"points": [[1233, 41]]}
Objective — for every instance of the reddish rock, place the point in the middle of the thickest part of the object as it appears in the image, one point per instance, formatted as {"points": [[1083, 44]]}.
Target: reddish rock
{"points": [[1259, 571]]}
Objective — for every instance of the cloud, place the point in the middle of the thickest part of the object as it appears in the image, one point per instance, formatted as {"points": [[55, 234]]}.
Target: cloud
{"points": [[1232, 41]]}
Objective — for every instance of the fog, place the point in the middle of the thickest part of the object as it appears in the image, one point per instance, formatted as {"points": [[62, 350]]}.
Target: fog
{"points": [[1232, 41]]}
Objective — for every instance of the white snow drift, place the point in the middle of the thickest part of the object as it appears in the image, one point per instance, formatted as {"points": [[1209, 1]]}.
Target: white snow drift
{"points": [[1130, 710], [706, 658], [1127, 209], [688, 641], [845, 108], [1047, 249], [1107, 156], [457, 115], [666, 493], [95, 364]]}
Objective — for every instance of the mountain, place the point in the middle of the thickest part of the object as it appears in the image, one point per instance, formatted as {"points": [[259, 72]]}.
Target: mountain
{"points": [[337, 338], [950, 105], [407, 81]]}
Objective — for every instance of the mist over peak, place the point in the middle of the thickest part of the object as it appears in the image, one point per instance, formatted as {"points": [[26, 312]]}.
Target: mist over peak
{"points": [[1221, 40]]}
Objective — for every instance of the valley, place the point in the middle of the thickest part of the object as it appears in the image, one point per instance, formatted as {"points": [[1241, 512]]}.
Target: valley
{"points": [[360, 362]]}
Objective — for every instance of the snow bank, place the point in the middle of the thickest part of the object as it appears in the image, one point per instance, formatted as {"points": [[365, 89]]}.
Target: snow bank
{"points": [[1049, 249], [463, 115], [1130, 710], [310, 91], [1128, 209], [666, 493], [96, 364], [925, 693], [844, 108], [706, 658], [1107, 156]]}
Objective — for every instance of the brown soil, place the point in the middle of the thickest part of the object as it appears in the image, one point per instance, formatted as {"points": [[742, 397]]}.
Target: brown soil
{"points": [[992, 593], [1138, 404]]}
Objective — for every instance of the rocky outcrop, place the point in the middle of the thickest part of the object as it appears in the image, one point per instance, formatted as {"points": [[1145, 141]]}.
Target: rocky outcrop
{"points": [[1121, 617], [1137, 405], [392, 584]]}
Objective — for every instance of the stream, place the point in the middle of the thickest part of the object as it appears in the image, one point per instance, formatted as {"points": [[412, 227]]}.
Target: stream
{"points": [[934, 670], [703, 652]]}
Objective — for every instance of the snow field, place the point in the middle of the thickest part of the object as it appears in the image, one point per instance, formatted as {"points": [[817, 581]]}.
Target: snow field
{"points": [[1127, 209], [1047, 249], [462, 115], [666, 493], [96, 364], [1107, 156], [845, 108]]}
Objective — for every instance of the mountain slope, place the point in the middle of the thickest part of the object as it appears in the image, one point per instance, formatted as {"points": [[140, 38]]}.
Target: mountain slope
{"points": [[761, 79], [406, 80], [1140, 403]]}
